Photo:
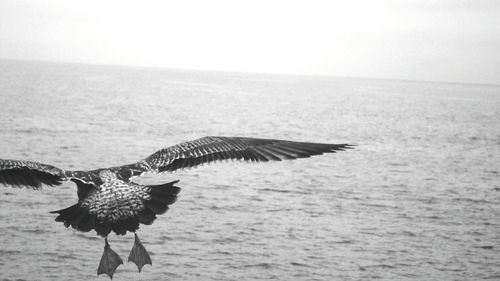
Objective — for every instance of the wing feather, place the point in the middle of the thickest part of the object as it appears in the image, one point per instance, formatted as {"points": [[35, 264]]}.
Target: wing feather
{"points": [[210, 149], [31, 174], [261, 155]]}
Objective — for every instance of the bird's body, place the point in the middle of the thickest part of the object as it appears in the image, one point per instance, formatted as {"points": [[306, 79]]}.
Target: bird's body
{"points": [[109, 201], [115, 200]]}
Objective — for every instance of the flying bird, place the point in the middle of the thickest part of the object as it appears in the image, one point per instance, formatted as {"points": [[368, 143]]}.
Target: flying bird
{"points": [[108, 199]]}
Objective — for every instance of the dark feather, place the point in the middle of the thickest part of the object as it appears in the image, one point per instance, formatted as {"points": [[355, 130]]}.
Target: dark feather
{"points": [[156, 207], [87, 223], [83, 189], [209, 149], [102, 228], [129, 224], [71, 215], [161, 196], [79, 215], [146, 216], [32, 174]]}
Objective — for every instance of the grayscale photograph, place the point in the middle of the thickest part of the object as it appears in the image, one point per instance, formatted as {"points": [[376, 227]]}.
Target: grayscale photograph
{"points": [[249, 140]]}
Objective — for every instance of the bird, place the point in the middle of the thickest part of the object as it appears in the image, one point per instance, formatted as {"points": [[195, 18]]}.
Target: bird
{"points": [[109, 200]]}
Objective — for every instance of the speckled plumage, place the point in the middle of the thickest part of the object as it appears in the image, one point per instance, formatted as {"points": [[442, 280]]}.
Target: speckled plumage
{"points": [[115, 199]]}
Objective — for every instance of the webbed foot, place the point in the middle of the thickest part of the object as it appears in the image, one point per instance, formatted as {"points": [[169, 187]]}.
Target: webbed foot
{"points": [[109, 261], [138, 254]]}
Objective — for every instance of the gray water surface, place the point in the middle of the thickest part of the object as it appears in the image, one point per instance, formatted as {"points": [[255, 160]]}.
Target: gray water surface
{"points": [[418, 199]]}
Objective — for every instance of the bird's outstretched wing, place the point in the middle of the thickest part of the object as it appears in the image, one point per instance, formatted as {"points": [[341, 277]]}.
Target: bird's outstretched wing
{"points": [[32, 174], [209, 149]]}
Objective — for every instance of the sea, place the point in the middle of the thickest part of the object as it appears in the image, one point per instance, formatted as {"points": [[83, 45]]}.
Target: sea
{"points": [[417, 199]]}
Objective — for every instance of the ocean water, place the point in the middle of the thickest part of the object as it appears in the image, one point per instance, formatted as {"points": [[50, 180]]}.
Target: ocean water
{"points": [[418, 199]]}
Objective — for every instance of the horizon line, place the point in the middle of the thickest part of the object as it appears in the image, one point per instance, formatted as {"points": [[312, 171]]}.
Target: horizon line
{"points": [[154, 67]]}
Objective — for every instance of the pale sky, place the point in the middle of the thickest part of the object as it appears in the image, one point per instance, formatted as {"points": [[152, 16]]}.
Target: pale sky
{"points": [[436, 40]]}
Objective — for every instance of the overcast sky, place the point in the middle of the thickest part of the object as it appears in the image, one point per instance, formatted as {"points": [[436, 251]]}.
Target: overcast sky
{"points": [[437, 40]]}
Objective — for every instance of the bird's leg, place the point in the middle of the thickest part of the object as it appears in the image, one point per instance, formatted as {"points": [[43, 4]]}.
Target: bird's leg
{"points": [[138, 254], [109, 261]]}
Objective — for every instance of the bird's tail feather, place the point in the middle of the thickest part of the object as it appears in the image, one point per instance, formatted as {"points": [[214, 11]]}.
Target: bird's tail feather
{"points": [[76, 216], [162, 196]]}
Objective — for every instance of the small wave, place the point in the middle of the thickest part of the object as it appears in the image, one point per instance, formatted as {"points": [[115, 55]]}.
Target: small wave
{"points": [[256, 198], [9, 252], [343, 242], [35, 231], [69, 147], [263, 265], [397, 164], [58, 256], [165, 238], [471, 200], [409, 233], [225, 240], [276, 190], [34, 131], [23, 131], [283, 191], [450, 269], [67, 256], [280, 210], [434, 217], [379, 205], [486, 247], [400, 171], [365, 267], [301, 264], [87, 237], [224, 253]]}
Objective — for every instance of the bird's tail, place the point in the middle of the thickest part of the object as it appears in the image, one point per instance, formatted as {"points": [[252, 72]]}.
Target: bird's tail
{"points": [[76, 216], [162, 196]]}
